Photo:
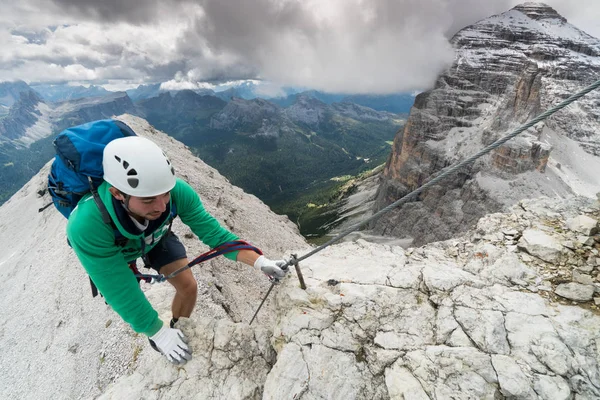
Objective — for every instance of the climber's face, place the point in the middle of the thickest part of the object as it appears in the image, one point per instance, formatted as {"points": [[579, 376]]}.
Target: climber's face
{"points": [[149, 208]]}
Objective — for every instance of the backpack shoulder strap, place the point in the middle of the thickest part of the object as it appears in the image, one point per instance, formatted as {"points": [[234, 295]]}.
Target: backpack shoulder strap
{"points": [[103, 211], [94, 288], [120, 240]]}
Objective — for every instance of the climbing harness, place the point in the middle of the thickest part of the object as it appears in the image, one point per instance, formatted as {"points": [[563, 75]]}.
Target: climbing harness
{"points": [[442, 174], [228, 247]]}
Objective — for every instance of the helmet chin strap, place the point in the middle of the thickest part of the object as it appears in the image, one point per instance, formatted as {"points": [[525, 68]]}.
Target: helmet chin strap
{"points": [[126, 206], [126, 202]]}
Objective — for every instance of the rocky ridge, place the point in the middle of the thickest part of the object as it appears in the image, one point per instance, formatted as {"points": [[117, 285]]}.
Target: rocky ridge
{"points": [[263, 118], [507, 311], [508, 68], [59, 342], [257, 116]]}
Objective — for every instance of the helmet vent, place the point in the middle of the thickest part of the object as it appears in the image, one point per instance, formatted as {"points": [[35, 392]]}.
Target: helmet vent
{"points": [[173, 171], [125, 164], [132, 172], [117, 158], [133, 182]]}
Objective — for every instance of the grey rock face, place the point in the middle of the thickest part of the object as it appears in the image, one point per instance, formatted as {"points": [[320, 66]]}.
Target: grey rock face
{"points": [[359, 112], [308, 111], [491, 338], [541, 245], [511, 378], [508, 68], [313, 112], [230, 361], [551, 387], [466, 318], [583, 224], [53, 93], [31, 119], [181, 103], [575, 291], [582, 278]]}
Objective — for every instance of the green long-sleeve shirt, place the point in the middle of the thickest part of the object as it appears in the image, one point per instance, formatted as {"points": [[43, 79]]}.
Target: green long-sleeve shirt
{"points": [[107, 263]]}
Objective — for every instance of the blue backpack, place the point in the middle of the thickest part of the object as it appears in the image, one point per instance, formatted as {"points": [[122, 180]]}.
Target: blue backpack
{"points": [[77, 167]]}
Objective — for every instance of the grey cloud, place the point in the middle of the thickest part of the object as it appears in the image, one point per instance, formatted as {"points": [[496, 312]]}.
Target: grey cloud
{"points": [[466, 12], [404, 42], [402, 46], [247, 25], [33, 37], [61, 60], [133, 11], [111, 49], [364, 46], [212, 71], [163, 72], [582, 13], [11, 65], [61, 56]]}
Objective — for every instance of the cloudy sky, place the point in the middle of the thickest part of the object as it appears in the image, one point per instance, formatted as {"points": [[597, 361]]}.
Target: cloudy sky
{"points": [[366, 46]]}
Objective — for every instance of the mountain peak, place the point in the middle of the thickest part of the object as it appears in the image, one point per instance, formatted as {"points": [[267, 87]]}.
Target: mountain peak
{"points": [[30, 96], [507, 69], [310, 102], [10, 92], [539, 11]]}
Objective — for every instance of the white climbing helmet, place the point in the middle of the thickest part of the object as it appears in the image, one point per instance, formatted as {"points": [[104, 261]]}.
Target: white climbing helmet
{"points": [[137, 167]]}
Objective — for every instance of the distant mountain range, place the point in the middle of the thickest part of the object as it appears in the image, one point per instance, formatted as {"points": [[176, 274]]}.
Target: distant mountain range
{"points": [[271, 150], [399, 103], [55, 93], [396, 103], [28, 128]]}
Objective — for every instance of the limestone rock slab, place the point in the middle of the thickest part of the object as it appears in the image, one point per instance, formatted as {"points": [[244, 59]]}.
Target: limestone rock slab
{"points": [[540, 244]]}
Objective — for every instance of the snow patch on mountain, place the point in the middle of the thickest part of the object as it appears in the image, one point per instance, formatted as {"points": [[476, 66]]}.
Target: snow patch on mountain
{"points": [[573, 165], [509, 68]]}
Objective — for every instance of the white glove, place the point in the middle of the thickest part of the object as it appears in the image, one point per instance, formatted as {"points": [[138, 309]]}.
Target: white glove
{"points": [[173, 344], [275, 270]]}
